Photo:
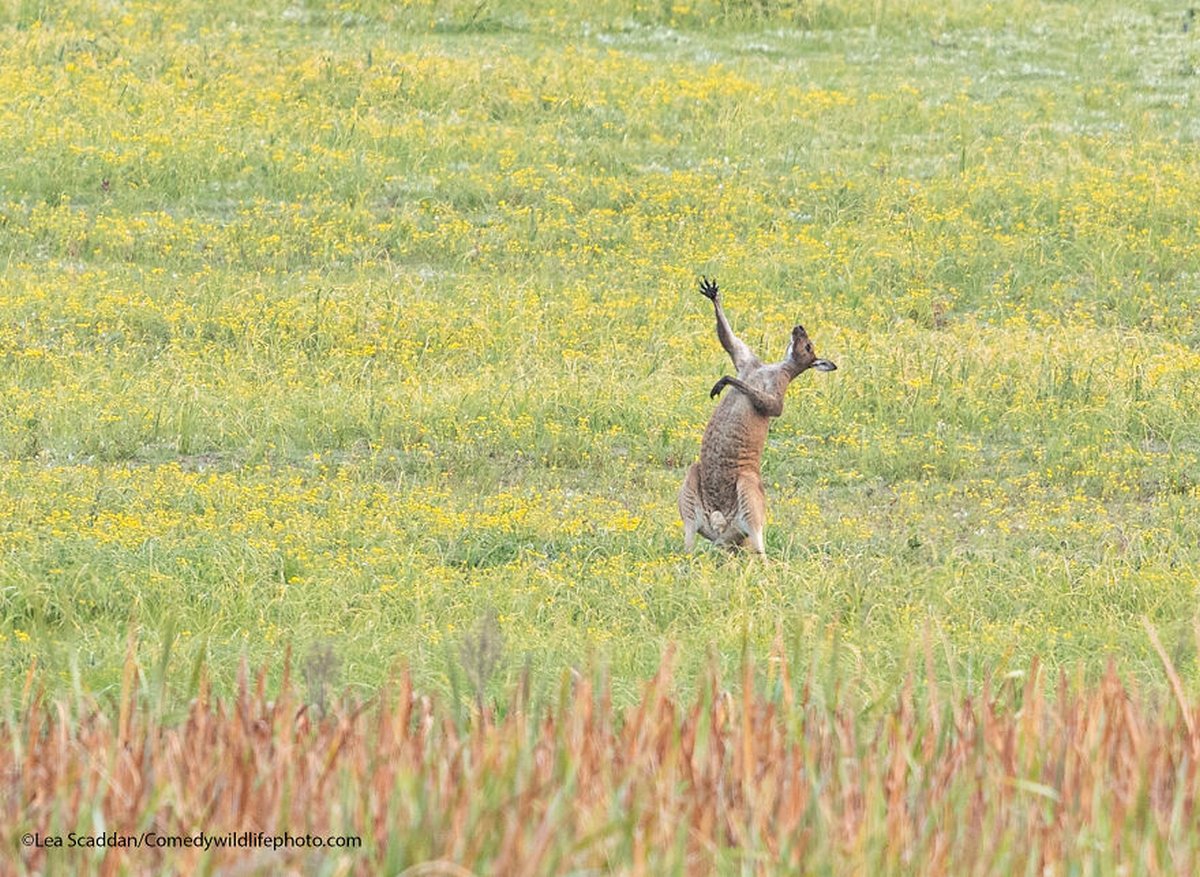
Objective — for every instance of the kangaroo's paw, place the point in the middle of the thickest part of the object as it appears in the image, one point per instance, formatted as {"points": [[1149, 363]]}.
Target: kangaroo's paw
{"points": [[708, 288]]}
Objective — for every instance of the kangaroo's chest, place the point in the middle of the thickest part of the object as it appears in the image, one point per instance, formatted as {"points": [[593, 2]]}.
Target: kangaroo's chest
{"points": [[732, 446]]}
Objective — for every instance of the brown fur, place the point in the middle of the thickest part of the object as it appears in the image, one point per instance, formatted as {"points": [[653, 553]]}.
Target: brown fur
{"points": [[722, 496]]}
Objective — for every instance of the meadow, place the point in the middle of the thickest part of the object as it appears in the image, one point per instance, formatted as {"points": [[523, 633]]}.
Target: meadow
{"points": [[371, 331]]}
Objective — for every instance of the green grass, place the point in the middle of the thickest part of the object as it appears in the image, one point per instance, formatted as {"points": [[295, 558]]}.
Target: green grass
{"points": [[349, 327]]}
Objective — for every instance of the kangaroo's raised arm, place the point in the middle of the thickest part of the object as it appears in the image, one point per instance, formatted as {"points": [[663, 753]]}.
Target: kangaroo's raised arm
{"points": [[741, 355]]}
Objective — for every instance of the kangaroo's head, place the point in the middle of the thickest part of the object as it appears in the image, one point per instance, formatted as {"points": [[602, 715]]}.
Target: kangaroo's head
{"points": [[800, 355]]}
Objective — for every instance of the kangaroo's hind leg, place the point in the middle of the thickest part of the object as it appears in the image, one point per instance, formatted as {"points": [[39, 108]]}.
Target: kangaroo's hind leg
{"points": [[690, 508], [752, 511]]}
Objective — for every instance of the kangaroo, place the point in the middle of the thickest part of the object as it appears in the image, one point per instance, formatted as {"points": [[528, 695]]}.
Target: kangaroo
{"points": [[722, 496]]}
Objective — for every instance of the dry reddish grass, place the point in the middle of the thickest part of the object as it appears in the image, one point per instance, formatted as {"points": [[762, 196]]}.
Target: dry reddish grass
{"points": [[785, 775]]}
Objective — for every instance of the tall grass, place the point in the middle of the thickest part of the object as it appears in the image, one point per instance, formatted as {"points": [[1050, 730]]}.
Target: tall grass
{"points": [[1036, 774]]}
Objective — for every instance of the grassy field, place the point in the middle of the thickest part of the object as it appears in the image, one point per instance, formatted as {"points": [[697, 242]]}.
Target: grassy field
{"points": [[350, 327], [370, 332]]}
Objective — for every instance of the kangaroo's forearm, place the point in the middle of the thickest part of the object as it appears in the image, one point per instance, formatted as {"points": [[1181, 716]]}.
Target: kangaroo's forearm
{"points": [[724, 333], [734, 346], [764, 404]]}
